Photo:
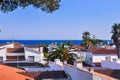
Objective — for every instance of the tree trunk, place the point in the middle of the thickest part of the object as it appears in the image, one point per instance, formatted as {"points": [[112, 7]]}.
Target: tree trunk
{"points": [[118, 50]]}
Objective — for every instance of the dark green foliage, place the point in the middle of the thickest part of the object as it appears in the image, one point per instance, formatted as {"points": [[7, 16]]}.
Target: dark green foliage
{"points": [[46, 54], [116, 37], [45, 5], [87, 40], [95, 41], [63, 54], [45, 49], [70, 43], [115, 33]]}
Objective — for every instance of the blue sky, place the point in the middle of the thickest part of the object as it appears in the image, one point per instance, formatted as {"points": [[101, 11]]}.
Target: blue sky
{"points": [[69, 22]]}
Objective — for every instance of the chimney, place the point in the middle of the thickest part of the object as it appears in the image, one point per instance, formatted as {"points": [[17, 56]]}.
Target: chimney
{"points": [[108, 58], [65, 62], [41, 49], [57, 61], [78, 64]]}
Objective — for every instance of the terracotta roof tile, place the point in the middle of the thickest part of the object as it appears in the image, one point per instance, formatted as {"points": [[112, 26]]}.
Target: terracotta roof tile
{"points": [[10, 73], [45, 74], [97, 63], [17, 45], [110, 72], [76, 47], [103, 51], [15, 50], [32, 46]]}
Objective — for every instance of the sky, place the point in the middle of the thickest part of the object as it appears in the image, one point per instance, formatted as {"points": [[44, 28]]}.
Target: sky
{"points": [[67, 23]]}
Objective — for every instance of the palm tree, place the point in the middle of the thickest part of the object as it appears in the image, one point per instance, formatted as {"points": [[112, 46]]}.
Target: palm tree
{"points": [[116, 37], [86, 35], [63, 54], [70, 43], [86, 39]]}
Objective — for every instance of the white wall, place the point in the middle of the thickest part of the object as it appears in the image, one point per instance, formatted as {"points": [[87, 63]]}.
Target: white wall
{"points": [[56, 67], [36, 49], [76, 74], [50, 49], [110, 65], [30, 52], [8, 46], [100, 57], [84, 56], [89, 58], [15, 54], [30, 69], [3, 53], [83, 74]]}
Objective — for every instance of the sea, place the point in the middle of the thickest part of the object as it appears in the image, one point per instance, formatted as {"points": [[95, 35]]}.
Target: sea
{"points": [[37, 42]]}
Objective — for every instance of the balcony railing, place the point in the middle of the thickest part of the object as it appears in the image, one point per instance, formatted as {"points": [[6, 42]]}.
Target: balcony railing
{"points": [[15, 54]]}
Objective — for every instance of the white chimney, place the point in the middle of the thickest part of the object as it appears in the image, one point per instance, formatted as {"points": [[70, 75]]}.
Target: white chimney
{"points": [[78, 64], [108, 58], [57, 61], [41, 49]]}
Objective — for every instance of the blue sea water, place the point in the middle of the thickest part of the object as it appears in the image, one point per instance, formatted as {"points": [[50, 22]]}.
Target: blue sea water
{"points": [[37, 42]]}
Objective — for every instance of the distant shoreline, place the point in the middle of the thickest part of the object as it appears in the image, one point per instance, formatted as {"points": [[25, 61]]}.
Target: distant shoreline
{"points": [[37, 42]]}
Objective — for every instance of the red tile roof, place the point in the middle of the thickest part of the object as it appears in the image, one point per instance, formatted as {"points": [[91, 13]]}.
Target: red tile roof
{"points": [[17, 45], [76, 47], [32, 46], [97, 63], [104, 51], [15, 50], [10, 73], [45, 75], [110, 72]]}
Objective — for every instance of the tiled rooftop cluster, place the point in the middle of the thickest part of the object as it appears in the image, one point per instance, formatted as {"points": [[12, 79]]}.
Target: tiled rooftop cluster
{"points": [[10, 73], [15, 50], [45, 75], [110, 72], [104, 51]]}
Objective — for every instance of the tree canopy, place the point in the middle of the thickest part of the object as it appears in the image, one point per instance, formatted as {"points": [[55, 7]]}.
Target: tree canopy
{"points": [[115, 34], [116, 37], [45, 5], [63, 54], [87, 40]]}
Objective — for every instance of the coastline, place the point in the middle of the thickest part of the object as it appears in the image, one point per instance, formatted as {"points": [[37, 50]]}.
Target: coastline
{"points": [[37, 42]]}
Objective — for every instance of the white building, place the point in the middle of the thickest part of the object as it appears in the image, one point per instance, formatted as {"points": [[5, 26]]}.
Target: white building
{"points": [[13, 52], [96, 55], [103, 53], [78, 72], [84, 56]]}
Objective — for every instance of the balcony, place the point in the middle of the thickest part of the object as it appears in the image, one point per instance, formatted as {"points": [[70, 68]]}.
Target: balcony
{"points": [[15, 54]]}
